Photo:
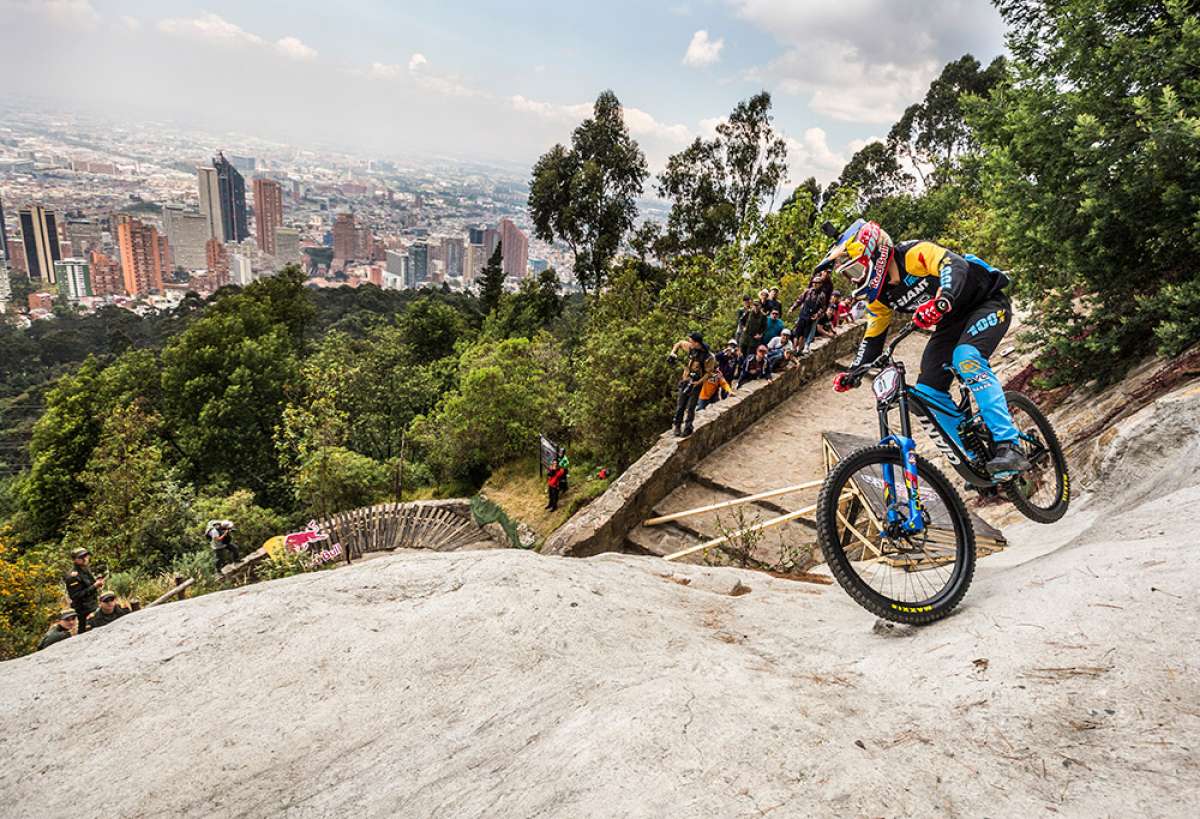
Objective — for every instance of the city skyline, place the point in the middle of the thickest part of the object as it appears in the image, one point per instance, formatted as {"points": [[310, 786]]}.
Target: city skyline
{"points": [[497, 82]]}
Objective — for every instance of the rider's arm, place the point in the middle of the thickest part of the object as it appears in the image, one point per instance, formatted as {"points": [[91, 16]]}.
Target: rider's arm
{"points": [[879, 317], [928, 259]]}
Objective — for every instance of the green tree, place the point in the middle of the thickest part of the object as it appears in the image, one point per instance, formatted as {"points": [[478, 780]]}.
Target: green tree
{"points": [[133, 515], [429, 328], [224, 383], [875, 173], [534, 307], [505, 398], [720, 188], [932, 133], [69, 430], [586, 195], [491, 280], [334, 480], [254, 524], [1092, 167]]}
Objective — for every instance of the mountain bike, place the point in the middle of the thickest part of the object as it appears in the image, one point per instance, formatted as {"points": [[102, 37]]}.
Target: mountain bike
{"points": [[905, 550]]}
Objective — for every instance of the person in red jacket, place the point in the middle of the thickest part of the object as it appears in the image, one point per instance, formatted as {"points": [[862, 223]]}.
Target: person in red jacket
{"points": [[553, 481]]}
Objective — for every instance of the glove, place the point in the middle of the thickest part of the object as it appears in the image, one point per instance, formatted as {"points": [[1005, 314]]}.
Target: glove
{"points": [[842, 382], [672, 359], [928, 314]]}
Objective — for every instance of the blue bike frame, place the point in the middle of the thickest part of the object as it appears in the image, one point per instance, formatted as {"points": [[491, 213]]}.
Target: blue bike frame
{"points": [[947, 443]]}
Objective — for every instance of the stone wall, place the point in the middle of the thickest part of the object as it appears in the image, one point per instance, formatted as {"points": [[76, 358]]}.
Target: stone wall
{"points": [[601, 526]]}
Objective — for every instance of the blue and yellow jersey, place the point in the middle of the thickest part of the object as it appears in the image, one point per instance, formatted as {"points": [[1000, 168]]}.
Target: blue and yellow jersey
{"points": [[924, 268]]}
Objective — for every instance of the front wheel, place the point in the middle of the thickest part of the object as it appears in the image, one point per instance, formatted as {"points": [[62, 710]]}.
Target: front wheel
{"points": [[914, 579], [1044, 492]]}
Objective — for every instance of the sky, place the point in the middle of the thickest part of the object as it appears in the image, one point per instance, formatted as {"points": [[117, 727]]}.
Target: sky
{"points": [[494, 81]]}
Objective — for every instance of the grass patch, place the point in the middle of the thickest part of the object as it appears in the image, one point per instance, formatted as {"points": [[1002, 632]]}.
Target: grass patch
{"points": [[520, 490]]}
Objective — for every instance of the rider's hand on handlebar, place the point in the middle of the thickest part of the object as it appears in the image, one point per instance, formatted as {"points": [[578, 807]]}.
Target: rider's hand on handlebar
{"points": [[928, 315], [843, 382]]}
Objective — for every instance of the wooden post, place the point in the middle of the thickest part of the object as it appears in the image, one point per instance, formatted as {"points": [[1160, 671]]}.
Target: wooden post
{"points": [[178, 589], [787, 490], [799, 513]]}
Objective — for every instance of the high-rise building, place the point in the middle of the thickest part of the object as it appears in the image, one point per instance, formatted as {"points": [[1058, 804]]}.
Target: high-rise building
{"points": [[245, 164], [217, 258], [345, 236], [74, 279], [419, 256], [241, 272], [452, 256], [473, 263], [105, 275], [491, 238], [232, 190], [538, 266], [475, 236], [85, 236], [141, 256], [287, 246], [17, 260], [210, 201], [516, 249], [400, 265], [3, 237], [188, 233], [39, 233], [268, 213]]}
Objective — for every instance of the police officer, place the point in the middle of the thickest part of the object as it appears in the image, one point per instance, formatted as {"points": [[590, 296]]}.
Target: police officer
{"points": [[82, 586], [61, 629], [108, 611]]}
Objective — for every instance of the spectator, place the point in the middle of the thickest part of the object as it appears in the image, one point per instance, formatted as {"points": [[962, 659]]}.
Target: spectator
{"points": [[553, 486], [82, 587], [858, 310], [108, 611], [714, 388], [755, 366], [812, 303], [700, 364], [764, 301], [62, 628], [220, 538], [752, 333], [565, 463], [843, 309], [728, 360], [772, 302], [774, 327], [825, 322], [777, 346]]}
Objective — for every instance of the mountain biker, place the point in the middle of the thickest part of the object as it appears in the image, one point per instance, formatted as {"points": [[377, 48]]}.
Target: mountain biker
{"points": [[962, 296]]}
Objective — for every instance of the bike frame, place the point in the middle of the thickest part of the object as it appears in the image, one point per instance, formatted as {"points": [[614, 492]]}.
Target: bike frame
{"points": [[907, 402]]}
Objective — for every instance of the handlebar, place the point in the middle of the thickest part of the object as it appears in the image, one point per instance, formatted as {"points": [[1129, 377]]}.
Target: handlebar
{"points": [[885, 357]]}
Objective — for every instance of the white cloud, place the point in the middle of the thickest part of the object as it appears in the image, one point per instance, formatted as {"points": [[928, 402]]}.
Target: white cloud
{"points": [[131, 23], [702, 51], [640, 123], [293, 48], [864, 61], [210, 28], [384, 71], [811, 156], [416, 61], [70, 13]]}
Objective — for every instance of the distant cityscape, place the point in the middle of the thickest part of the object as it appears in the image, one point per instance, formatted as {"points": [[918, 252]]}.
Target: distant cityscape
{"points": [[95, 213]]}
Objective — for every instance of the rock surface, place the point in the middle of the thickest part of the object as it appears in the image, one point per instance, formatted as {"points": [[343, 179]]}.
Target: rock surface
{"points": [[503, 683]]}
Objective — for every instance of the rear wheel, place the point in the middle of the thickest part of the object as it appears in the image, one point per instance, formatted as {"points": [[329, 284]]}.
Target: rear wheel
{"points": [[1044, 492], [914, 579]]}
